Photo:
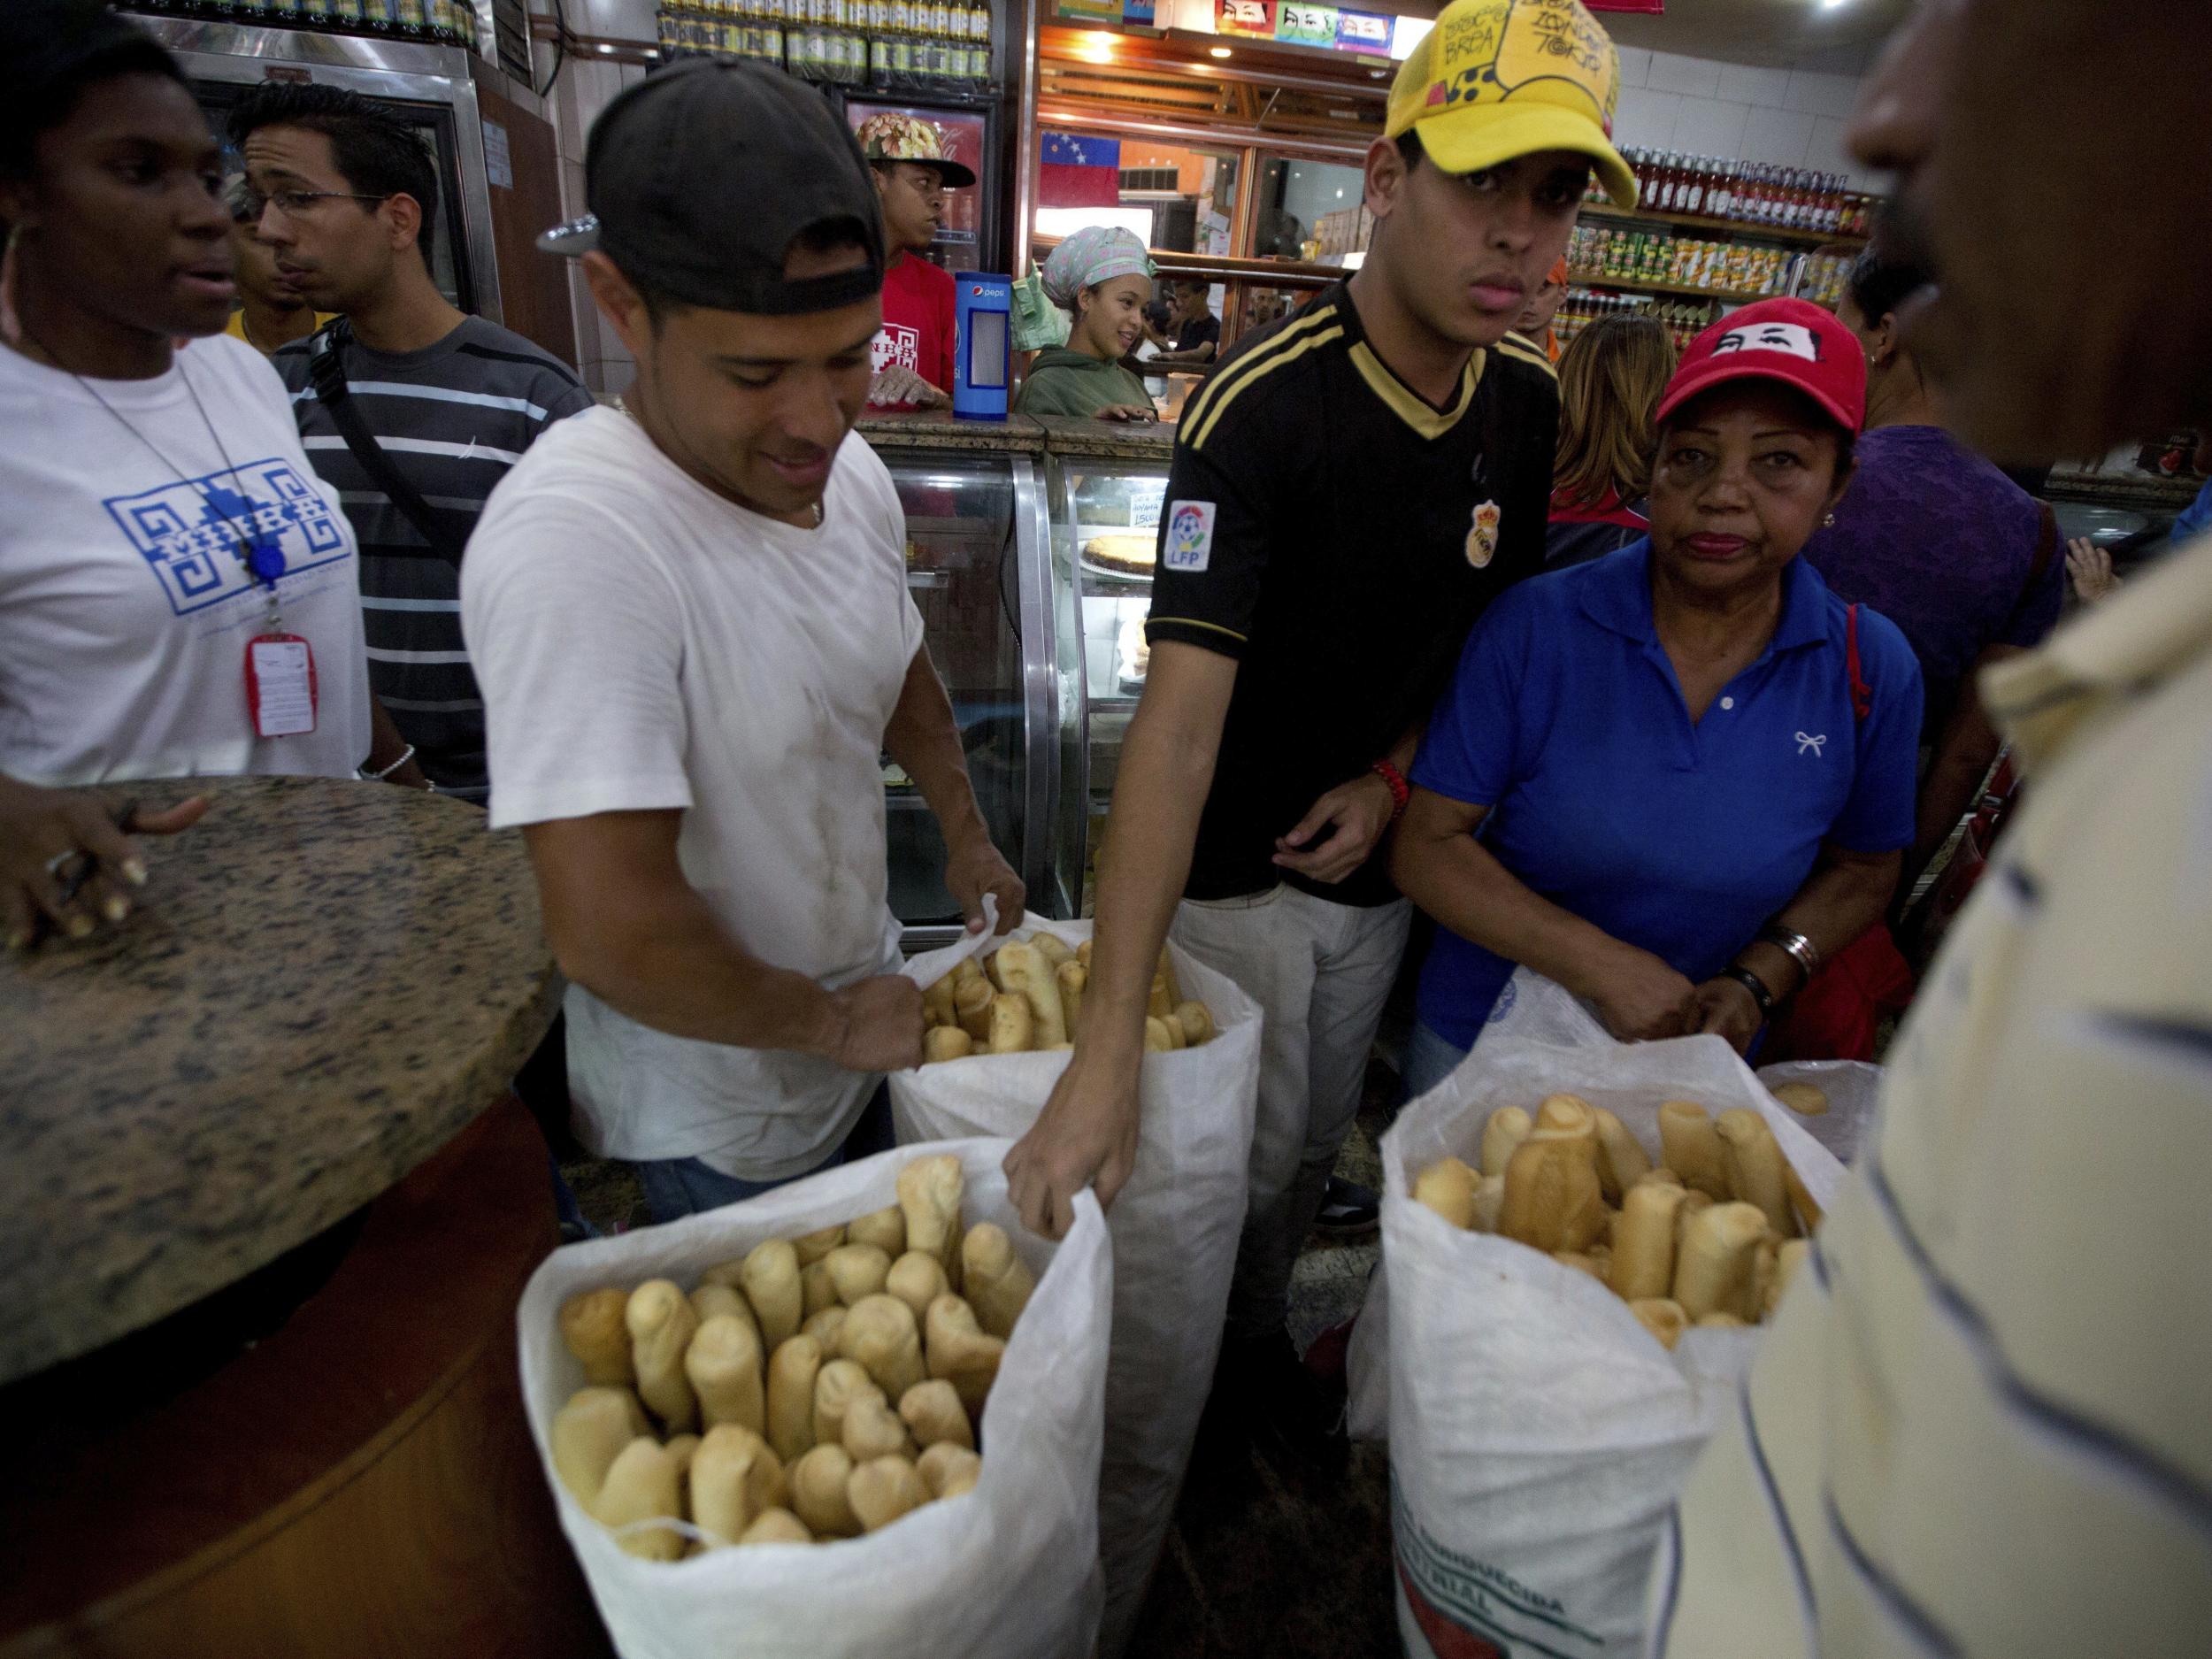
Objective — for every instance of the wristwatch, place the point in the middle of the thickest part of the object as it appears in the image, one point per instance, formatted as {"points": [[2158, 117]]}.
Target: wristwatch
{"points": [[1801, 950]]}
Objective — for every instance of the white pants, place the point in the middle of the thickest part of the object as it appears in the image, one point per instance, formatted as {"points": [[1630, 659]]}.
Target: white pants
{"points": [[1320, 973]]}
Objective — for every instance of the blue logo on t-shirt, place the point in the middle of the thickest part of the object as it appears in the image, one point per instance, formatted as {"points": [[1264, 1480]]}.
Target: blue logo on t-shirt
{"points": [[190, 531]]}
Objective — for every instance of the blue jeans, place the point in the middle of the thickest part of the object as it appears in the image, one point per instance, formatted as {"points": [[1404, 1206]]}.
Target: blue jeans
{"points": [[1429, 1059], [677, 1188]]}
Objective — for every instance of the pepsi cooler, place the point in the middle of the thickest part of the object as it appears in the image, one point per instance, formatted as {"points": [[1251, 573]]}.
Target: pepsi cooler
{"points": [[982, 316]]}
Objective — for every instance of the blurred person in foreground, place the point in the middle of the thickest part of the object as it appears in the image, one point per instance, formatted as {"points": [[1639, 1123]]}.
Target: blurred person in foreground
{"points": [[1980, 1423], [1610, 381], [1939, 540]]}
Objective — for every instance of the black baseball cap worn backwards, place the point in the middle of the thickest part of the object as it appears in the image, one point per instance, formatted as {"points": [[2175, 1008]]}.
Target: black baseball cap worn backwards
{"points": [[701, 178]]}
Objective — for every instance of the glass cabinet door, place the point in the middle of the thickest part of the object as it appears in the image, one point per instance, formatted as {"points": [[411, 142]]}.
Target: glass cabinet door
{"points": [[1106, 516], [963, 568]]}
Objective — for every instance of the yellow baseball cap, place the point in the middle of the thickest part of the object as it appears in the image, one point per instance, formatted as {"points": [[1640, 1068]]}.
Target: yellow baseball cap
{"points": [[1497, 78]]}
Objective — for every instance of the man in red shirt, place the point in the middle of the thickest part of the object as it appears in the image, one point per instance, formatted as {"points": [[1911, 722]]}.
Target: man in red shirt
{"points": [[913, 353]]}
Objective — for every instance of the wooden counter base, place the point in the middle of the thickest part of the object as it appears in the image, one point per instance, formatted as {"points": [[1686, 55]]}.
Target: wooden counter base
{"points": [[361, 1482]]}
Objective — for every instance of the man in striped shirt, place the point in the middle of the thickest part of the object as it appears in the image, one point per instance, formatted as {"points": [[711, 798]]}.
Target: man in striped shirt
{"points": [[348, 196], [1982, 1423]]}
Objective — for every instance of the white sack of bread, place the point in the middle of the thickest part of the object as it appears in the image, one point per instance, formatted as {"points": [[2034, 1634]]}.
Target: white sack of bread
{"points": [[1174, 1230], [1538, 1429], [1833, 1100], [1008, 1570]]}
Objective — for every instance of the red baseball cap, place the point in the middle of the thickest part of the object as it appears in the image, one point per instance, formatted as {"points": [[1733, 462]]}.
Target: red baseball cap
{"points": [[1794, 341]]}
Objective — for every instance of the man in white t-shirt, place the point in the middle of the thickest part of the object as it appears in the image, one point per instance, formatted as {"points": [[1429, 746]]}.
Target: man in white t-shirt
{"points": [[693, 631]]}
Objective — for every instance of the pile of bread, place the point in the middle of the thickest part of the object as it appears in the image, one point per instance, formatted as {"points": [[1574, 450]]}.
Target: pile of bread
{"points": [[1027, 997], [815, 1388], [1711, 1235]]}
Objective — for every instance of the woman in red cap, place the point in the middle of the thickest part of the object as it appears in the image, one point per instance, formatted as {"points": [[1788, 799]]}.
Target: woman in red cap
{"points": [[1675, 778]]}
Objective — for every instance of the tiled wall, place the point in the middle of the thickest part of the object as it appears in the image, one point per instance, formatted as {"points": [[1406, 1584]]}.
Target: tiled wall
{"points": [[1793, 117], [585, 86]]}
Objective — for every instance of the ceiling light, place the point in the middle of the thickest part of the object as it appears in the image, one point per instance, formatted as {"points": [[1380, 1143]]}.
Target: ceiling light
{"points": [[1216, 51], [1830, 5], [1097, 47]]}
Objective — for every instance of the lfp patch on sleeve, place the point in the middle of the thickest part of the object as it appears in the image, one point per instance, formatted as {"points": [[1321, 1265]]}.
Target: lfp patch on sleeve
{"points": [[1190, 535]]}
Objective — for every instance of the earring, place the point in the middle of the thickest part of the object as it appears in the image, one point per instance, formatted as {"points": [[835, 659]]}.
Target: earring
{"points": [[1829, 522]]}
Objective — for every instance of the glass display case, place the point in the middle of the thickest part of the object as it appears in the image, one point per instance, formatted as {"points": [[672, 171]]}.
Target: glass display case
{"points": [[1029, 551]]}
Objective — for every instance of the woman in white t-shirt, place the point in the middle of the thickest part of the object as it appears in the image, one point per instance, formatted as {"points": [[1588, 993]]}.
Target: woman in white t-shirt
{"points": [[161, 530]]}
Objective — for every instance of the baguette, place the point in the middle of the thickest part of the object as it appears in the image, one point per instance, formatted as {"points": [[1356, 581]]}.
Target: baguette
{"points": [[1713, 1270], [723, 1367], [1643, 1241], [1447, 1187], [1552, 1200], [1690, 1146], [662, 1325], [1754, 1164], [594, 1325], [1663, 1316], [792, 1372], [1502, 1133]]}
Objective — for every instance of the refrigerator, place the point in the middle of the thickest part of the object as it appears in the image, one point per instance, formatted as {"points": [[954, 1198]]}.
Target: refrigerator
{"points": [[972, 237], [430, 85]]}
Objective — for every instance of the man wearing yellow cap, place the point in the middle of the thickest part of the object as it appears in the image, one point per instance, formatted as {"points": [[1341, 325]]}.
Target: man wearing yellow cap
{"points": [[1349, 490]]}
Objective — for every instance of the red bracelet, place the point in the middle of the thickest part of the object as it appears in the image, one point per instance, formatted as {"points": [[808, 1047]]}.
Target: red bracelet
{"points": [[1400, 792]]}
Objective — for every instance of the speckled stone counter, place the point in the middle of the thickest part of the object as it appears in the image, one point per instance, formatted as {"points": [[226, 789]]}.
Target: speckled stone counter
{"points": [[934, 429], [1114, 440], [323, 983]]}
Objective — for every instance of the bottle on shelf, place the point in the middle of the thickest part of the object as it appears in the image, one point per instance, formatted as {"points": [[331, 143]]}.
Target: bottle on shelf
{"points": [[1701, 171]]}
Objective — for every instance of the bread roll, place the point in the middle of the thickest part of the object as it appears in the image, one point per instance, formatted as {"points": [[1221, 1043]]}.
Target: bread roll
{"points": [[1073, 979], [1552, 1200], [836, 1386], [595, 1328], [1787, 1260], [818, 1290], [1722, 1322], [772, 1284], [1196, 1022], [1712, 1271], [734, 1476], [1753, 1158], [1690, 1146], [1663, 1316], [1643, 1241], [792, 1372], [644, 1483], [1021, 970], [1695, 1203], [873, 1430], [731, 1273], [1488, 1205], [1161, 1005], [777, 1526], [812, 1246], [917, 1280], [946, 1042], [1165, 973], [1661, 1176], [885, 1228], [883, 1490], [1083, 953], [1807, 1099], [661, 1325], [857, 1270], [683, 1448], [997, 1282], [723, 1301], [823, 1328], [1566, 1115], [1502, 1133], [1013, 1026], [1582, 1261], [1054, 950], [589, 1432], [817, 1482], [938, 1007], [1157, 1037], [967, 970], [972, 1008], [882, 1336], [961, 1353], [1622, 1160], [930, 1190], [933, 1415], [947, 1470], [724, 1366], [1447, 1187]]}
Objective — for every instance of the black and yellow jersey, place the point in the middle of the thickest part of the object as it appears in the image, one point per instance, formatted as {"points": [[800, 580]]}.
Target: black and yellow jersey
{"points": [[1338, 536]]}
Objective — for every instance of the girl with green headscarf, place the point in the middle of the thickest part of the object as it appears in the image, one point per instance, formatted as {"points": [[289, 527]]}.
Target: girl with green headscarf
{"points": [[1101, 278]]}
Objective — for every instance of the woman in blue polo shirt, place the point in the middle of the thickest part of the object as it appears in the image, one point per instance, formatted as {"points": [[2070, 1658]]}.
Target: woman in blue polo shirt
{"points": [[1676, 779]]}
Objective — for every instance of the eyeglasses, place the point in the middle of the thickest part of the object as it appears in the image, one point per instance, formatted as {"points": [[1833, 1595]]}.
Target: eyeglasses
{"points": [[294, 204]]}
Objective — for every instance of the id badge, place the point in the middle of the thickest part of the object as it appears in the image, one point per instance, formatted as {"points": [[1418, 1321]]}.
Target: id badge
{"points": [[280, 685]]}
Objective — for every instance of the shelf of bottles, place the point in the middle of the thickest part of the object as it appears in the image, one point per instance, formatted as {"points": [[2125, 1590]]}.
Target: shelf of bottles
{"points": [[432, 22], [1683, 319], [1788, 204], [899, 45], [1657, 262]]}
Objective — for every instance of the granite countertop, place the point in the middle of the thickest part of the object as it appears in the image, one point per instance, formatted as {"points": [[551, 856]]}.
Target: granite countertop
{"points": [[939, 429], [323, 983], [1114, 440]]}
